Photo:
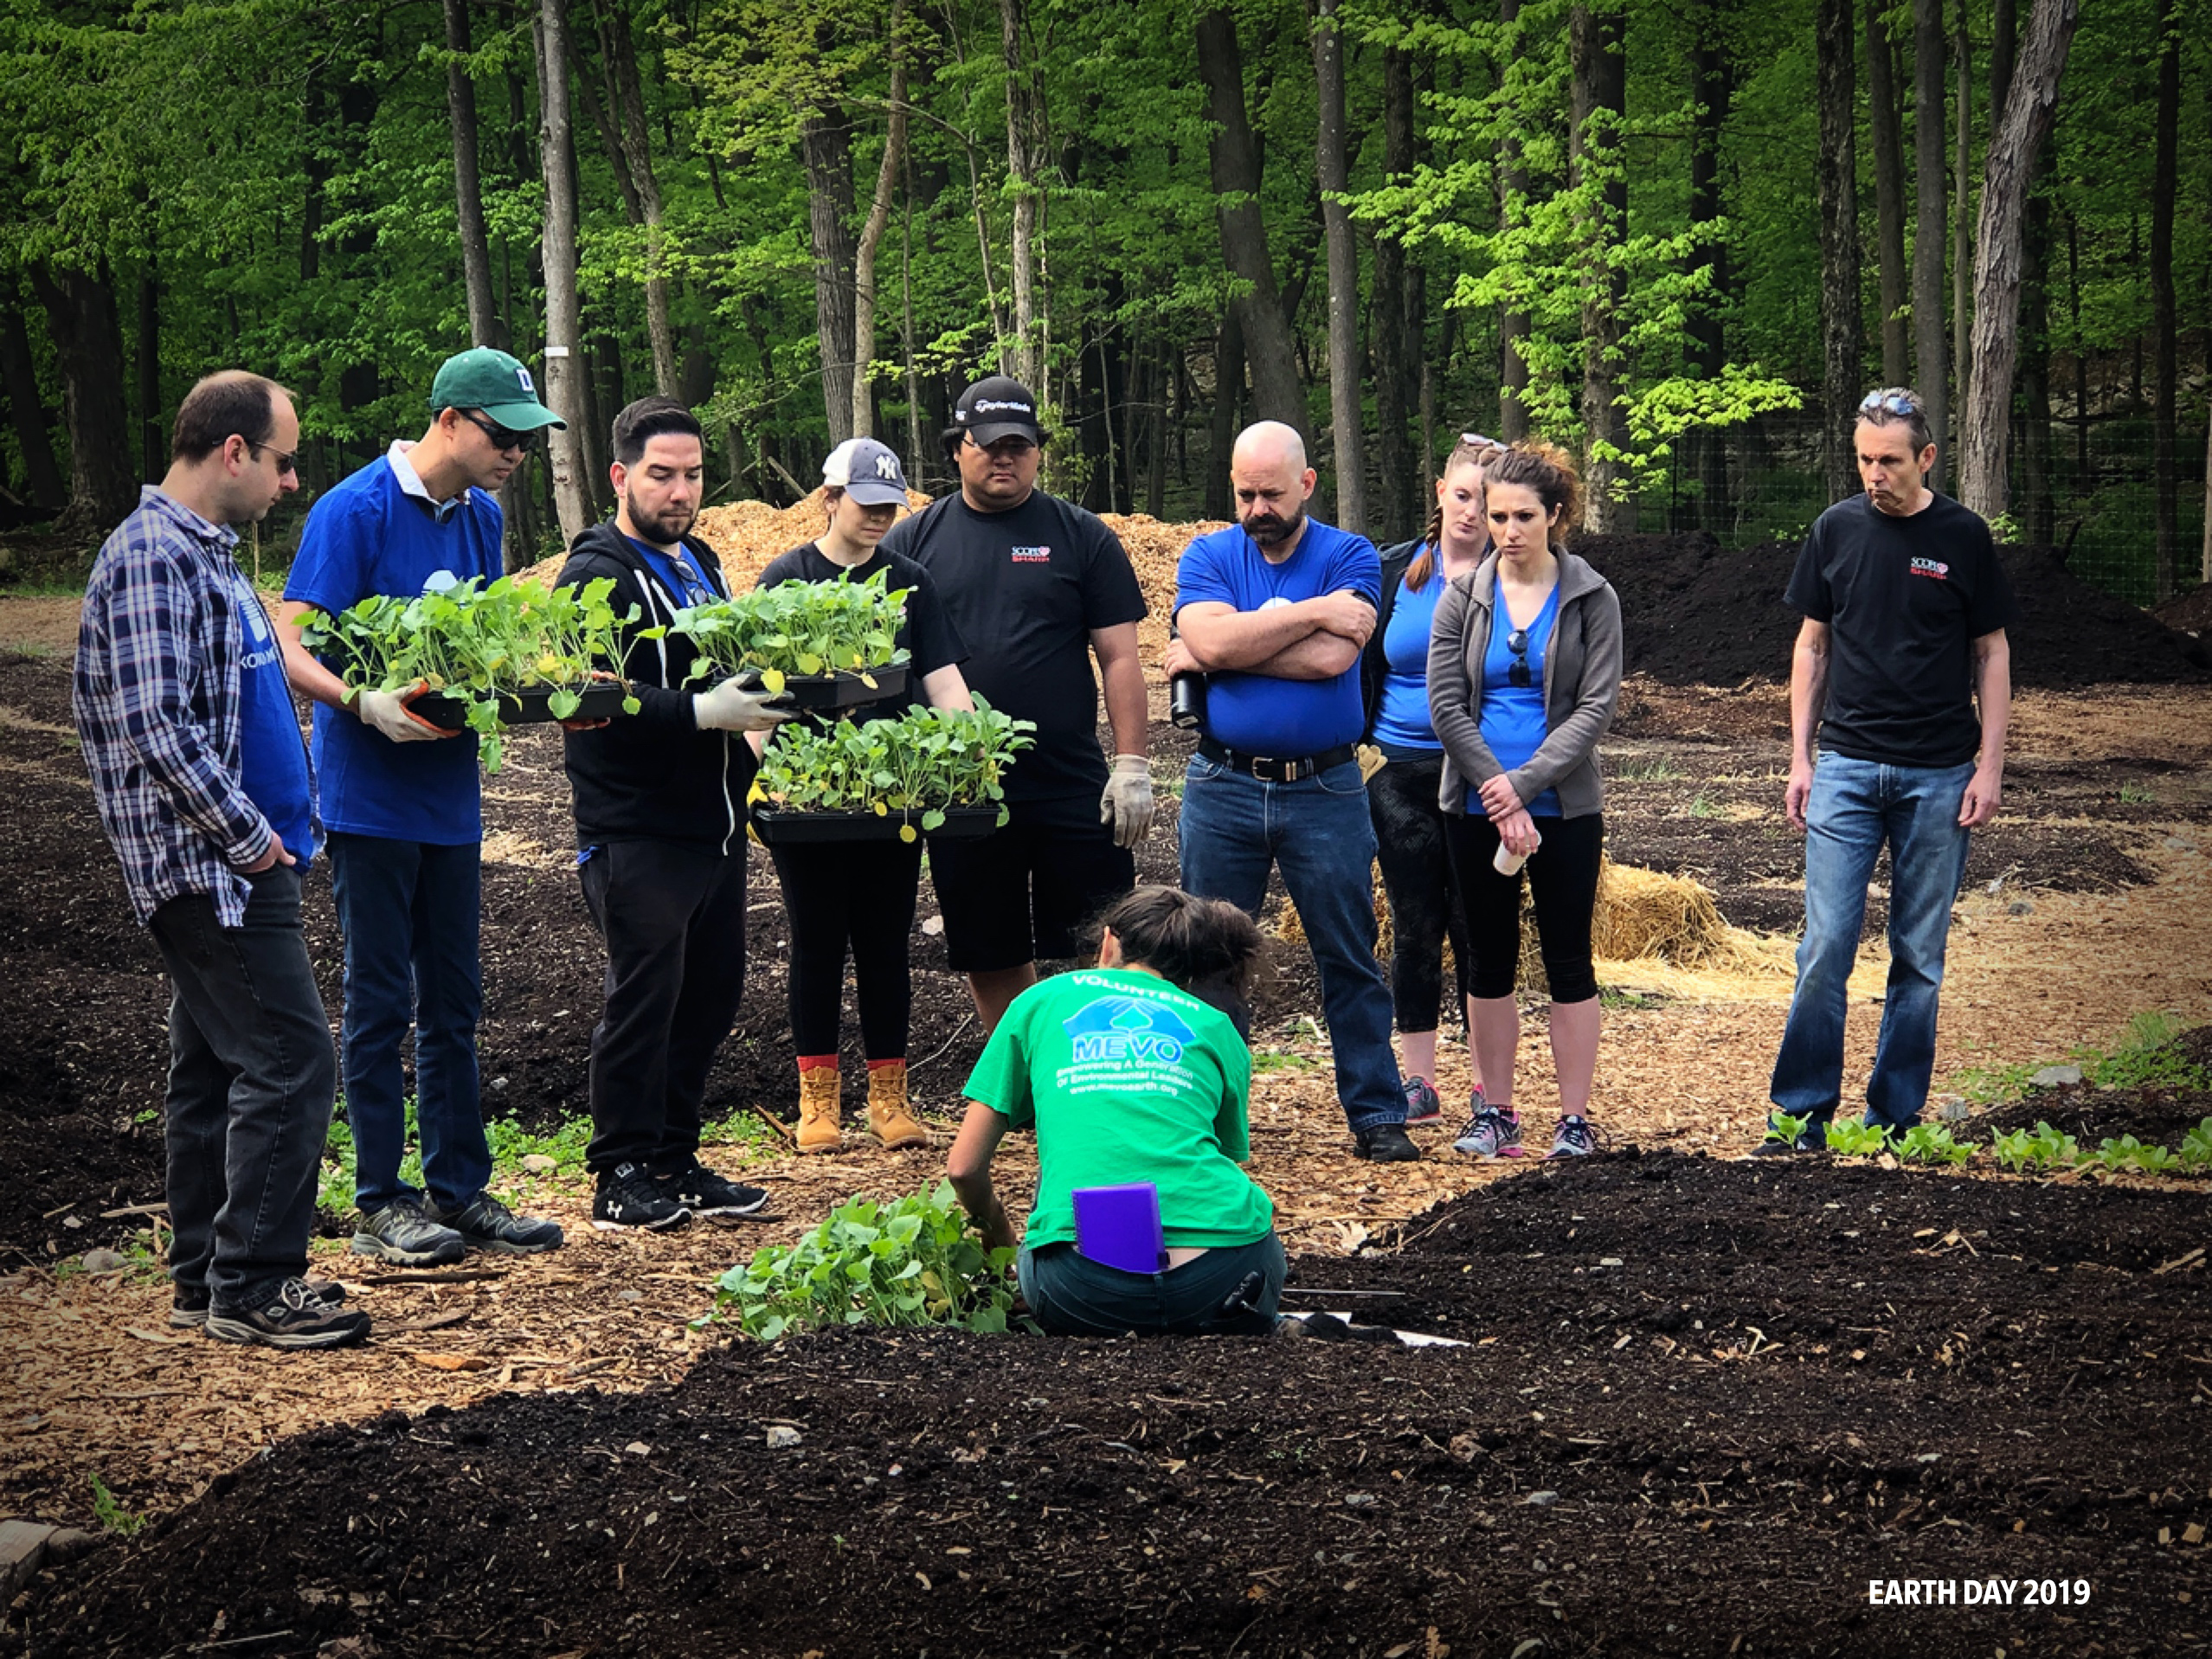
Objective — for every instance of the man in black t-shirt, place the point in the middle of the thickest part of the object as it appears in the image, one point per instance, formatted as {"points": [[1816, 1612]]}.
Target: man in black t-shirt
{"points": [[1036, 587], [1905, 607]]}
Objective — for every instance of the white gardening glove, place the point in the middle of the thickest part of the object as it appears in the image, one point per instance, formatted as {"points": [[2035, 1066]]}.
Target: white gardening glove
{"points": [[387, 711], [1127, 804], [731, 706]]}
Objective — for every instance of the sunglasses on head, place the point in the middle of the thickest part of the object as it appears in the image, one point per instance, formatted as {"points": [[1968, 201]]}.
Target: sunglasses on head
{"points": [[1902, 403], [1477, 440], [500, 437], [286, 461], [1517, 670]]}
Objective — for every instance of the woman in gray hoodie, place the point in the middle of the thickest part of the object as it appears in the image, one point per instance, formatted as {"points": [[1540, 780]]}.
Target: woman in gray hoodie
{"points": [[1524, 676]]}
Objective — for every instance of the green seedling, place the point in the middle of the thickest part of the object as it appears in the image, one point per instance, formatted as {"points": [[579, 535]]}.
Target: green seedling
{"points": [[796, 628], [1854, 1138], [2127, 1153], [471, 643], [109, 1512], [925, 762], [1932, 1143], [1784, 1128], [916, 1261], [2009, 1149], [1267, 1060], [2197, 1145], [2035, 1149]]}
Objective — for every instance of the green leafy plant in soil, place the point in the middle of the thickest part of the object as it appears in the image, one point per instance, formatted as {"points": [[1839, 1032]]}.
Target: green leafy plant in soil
{"points": [[1932, 1143], [2036, 1148], [2125, 1151], [1784, 1128], [796, 628], [916, 1261], [922, 763], [472, 642], [2146, 1057], [2197, 1145], [1854, 1138], [108, 1511]]}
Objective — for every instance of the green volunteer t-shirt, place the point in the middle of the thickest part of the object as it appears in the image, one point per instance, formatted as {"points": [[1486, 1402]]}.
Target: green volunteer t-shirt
{"points": [[1126, 1078]]}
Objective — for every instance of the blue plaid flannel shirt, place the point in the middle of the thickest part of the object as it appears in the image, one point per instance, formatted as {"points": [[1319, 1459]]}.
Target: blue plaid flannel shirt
{"points": [[157, 708]]}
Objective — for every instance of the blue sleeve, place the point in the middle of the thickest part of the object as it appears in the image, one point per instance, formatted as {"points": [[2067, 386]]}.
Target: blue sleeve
{"points": [[1357, 569], [337, 552], [495, 537], [1200, 577]]}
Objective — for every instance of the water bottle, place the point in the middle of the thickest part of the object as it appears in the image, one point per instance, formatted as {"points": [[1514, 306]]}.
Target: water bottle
{"points": [[1187, 698]]}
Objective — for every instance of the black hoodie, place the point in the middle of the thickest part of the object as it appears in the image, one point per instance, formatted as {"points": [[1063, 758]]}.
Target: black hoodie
{"points": [[655, 775]]}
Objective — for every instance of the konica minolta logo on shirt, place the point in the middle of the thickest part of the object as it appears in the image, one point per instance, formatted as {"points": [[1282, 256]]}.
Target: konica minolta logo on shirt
{"points": [[1935, 567], [1030, 555]]}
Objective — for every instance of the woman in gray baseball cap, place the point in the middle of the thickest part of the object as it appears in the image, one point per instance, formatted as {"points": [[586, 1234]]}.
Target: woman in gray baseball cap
{"points": [[860, 894]]}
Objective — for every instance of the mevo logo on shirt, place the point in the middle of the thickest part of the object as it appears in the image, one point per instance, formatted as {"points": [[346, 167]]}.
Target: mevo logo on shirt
{"points": [[1031, 555], [1934, 568], [1117, 1028]]}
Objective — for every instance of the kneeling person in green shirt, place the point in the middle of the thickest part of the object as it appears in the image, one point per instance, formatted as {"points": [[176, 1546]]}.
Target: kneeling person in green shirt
{"points": [[1132, 1072]]}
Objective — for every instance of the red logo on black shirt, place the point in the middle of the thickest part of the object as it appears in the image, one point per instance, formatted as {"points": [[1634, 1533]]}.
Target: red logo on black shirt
{"points": [[1935, 567]]}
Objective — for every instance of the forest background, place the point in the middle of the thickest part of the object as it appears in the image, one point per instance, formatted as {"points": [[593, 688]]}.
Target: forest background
{"points": [[1679, 236]]}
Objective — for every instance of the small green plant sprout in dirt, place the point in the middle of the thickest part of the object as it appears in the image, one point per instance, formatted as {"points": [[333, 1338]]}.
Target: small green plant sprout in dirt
{"points": [[2146, 1057], [922, 763], [111, 1515], [1784, 1128], [797, 628], [916, 1261], [2196, 1146], [2127, 1153], [1931, 1143], [1852, 1138], [2036, 1148]]}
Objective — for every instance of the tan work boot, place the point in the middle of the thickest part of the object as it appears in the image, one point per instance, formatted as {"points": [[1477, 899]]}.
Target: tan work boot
{"points": [[819, 1109], [888, 1116]]}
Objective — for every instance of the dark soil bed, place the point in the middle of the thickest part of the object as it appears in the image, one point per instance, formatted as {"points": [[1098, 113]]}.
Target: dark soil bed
{"points": [[1699, 613], [1703, 1406]]}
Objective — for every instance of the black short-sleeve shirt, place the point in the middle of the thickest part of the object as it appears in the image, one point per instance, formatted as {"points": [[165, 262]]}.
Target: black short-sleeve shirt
{"points": [[927, 635], [1905, 600], [1026, 588]]}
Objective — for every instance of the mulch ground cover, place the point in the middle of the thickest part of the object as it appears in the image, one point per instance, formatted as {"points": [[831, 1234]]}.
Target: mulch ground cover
{"points": [[1702, 1406]]}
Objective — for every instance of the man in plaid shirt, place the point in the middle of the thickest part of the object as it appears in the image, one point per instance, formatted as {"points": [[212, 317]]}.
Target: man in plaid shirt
{"points": [[203, 786]]}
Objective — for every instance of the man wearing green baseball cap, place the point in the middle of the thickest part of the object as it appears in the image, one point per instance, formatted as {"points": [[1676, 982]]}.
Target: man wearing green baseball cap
{"points": [[402, 803]]}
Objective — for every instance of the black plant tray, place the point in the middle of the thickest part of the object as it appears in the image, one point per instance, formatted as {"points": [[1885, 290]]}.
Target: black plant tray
{"points": [[842, 690], [524, 708], [777, 825]]}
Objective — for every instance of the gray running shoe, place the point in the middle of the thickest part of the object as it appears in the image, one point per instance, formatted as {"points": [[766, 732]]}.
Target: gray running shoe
{"points": [[402, 1232], [1422, 1105], [1576, 1137], [1489, 1134], [484, 1223], [295, 1317]]}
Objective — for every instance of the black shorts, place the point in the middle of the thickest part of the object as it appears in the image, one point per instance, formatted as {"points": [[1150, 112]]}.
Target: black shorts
{"points": [[1025, 893]]}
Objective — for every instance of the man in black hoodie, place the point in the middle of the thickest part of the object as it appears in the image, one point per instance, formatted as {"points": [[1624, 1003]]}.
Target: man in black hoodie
{"points": [[660, 823]]}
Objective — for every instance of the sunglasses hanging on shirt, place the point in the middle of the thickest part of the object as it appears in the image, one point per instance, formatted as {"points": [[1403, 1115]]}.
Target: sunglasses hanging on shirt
{"points": [[1517, 670]]}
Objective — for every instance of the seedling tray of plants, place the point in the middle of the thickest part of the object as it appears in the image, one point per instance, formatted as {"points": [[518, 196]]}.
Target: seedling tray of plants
{"points": [[780, 827], [845, 690], [531, 706]]}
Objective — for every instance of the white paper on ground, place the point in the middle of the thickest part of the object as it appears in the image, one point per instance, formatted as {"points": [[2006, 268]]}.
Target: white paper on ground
{"points": [[1411, 1339]]}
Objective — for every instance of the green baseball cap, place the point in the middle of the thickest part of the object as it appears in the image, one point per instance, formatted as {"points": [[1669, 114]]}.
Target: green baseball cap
{"points": [[495, 382]]}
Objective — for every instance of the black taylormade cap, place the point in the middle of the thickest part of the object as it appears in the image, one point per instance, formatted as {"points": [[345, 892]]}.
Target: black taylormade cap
{"points": [[996, 408]]}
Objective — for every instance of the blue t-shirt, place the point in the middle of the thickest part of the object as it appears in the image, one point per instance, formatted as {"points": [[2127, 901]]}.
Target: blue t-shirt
{"points": [[271, 760], [700, 590], [1402, 720], [1513, 725], [367, 536], [1258, 713]]}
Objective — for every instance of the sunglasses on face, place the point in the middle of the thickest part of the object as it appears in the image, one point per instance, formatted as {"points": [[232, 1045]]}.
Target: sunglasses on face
{"points": [[1517, 669], [286, 461], [499, 436]]}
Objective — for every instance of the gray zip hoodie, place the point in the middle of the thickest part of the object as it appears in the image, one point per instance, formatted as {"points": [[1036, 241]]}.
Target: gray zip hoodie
{"points": [[1582, 687]]}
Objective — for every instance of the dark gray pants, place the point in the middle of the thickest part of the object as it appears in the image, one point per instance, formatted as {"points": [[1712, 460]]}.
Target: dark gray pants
{"points": [[251, 1078], [1070, 1294]]}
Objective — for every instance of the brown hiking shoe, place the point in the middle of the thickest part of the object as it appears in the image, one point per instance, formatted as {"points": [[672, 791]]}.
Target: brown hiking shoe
{"points": [[819, 1109], [888, 1115]]}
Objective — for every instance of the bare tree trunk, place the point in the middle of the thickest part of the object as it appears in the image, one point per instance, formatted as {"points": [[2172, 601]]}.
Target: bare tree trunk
{"points": [[153, 439], [1333, 168], [825, 144], [2004, 54], [2166, 481], [2040, 517], [1886, 119], [1228, 384], [26, 407], [1513, 325], [871, 239], [1234, 164], [80, 320], [484, 327], [1598, 38], [557, 145], [1714, 80], [906, 331], [1931, 371], [1021, 165], [1396, 515], [1996, 263], [1962, 205], [1841, 346]]}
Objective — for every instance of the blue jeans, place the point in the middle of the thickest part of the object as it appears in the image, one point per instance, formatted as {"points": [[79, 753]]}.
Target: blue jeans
{"points": [[1855, 807], [1317, 831], [409, 910]]}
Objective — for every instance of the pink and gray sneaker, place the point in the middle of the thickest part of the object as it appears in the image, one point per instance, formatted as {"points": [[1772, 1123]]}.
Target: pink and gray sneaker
{"points": [[1422, 1105], [1489, 1132]]}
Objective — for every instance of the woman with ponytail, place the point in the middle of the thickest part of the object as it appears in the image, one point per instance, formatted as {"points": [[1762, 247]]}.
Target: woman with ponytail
{"points": [[1402, 794], [1524, 675]]}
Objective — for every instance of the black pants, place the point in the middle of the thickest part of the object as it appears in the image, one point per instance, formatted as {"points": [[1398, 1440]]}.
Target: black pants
{"points": [[673, 917], [1424, 906], [861, 893], [1563, 886], [251, 1078], [1070, 1294]]}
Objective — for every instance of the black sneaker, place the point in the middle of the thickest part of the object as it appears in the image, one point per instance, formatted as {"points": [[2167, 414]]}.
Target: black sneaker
{"points": [[699, 1190], [1811, 1138], [629, 1197], [190, 1311], [296, 1317], [1422, 1105], [484, 1223], [1386, 1143], [402, 1232]]}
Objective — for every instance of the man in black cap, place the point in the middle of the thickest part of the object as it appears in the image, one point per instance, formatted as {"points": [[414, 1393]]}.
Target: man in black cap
{"points": [[1036, 586]]}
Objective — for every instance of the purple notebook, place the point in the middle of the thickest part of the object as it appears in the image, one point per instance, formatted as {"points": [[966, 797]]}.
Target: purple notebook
{"points": [[1119, 1226]]}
